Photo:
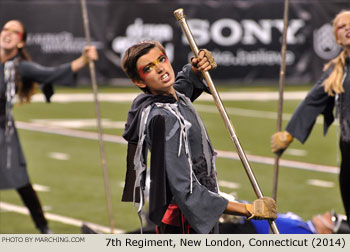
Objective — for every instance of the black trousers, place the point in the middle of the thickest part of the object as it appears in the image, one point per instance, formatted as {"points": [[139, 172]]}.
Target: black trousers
{"points": [[344, 176], [31, 201]]}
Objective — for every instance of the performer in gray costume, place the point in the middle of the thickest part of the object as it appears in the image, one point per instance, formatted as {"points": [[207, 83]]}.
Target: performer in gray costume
{"points": [[184, 195], [18, 74], [332, 90]]}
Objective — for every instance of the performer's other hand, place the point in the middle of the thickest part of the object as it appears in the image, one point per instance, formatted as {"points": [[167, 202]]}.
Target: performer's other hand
{"points": [[263, 208], [89, 54], [280, 141], [204, 62]]}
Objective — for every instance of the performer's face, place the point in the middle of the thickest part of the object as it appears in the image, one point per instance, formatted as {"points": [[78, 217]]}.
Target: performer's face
{"points": [[323, 223], [343, 31], [156, 72], [11, 35]]}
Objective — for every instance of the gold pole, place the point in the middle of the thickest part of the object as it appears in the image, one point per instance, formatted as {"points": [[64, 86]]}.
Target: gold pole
{"points": [[181, 18]]}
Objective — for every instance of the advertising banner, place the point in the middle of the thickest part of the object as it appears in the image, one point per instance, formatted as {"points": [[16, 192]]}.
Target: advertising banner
{"points": [[244, 36]]}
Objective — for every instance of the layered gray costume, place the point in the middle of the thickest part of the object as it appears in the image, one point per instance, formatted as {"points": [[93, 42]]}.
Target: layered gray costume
{"points": [[180, 148], [319, 102], [16, 176]]}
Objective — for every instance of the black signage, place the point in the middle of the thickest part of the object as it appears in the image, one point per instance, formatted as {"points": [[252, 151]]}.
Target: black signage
{"points": [[244, 36]]}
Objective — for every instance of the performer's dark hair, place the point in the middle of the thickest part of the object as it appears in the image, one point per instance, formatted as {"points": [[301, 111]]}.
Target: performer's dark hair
{"points": [[132, 55], [26, 89]]}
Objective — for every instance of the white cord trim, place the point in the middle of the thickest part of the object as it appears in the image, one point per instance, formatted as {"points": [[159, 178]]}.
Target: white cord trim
{"points": [[183, 137]]}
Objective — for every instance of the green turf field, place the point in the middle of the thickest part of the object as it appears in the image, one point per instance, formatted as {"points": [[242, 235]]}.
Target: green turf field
{"points": [[70, 167]]}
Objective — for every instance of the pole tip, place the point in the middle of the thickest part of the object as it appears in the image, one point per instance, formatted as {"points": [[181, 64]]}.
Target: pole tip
{"points": [[179, 14]]}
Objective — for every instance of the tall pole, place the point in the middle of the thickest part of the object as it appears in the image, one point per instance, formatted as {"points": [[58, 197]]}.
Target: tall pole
{"points": [[281, 91], [180, 16], [98, 117]]}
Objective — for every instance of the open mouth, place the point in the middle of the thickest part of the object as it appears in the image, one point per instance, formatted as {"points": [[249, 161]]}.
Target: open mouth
{"points": [[164, 76], [7, 39]]}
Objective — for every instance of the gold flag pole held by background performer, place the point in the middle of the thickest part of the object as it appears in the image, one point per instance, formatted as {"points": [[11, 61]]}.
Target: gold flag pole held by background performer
{"points": [[98, 117], [181, 18]]}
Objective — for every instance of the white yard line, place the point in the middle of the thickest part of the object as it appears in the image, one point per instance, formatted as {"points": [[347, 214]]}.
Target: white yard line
{"points": [[229, 184], [248, 113], [4, 206], [222, 154], [66, 98], [255, 96], [320, 183], [59, 156], [41, 188], [225, 96], [283, 162], [67, 132], [127, 97]]}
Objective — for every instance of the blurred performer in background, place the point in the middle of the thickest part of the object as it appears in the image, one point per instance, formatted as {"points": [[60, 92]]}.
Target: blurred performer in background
{"points": [[19, 75], [287, 223], [332, 90]]}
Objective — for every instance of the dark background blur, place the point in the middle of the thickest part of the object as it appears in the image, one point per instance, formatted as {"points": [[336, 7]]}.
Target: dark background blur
{"points": [[245, 36]]}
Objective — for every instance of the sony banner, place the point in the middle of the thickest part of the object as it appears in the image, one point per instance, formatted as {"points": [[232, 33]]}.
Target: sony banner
{"points": [[244, 36]]}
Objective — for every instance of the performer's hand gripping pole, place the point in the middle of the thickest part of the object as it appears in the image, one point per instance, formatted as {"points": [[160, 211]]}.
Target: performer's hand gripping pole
{"points": [[98, 117], [181, 18]]}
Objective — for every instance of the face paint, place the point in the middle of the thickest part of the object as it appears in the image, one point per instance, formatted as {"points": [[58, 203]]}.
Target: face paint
{"points": [[20, 34], [343, 31], [145, 70]]}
